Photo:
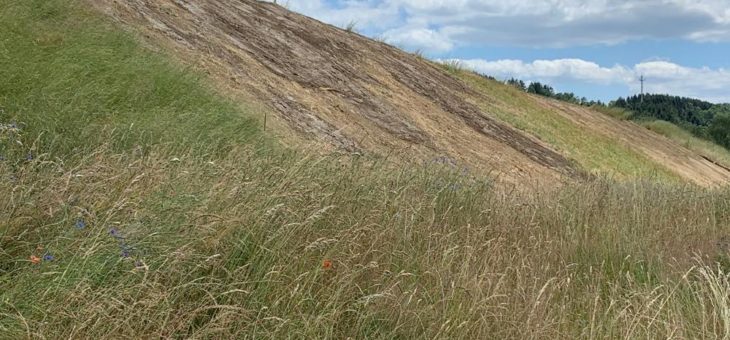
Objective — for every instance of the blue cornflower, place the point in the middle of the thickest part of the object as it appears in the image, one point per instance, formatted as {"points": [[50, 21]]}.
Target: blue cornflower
{"points": [[29, 156], [80, 224], [48, 257], [125, 253], [115, 233]]}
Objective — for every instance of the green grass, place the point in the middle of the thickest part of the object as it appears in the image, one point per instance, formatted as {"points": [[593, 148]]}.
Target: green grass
{"points": [[704, 147], [615, 112], [231, 243], [597, 153], [76, 82]]}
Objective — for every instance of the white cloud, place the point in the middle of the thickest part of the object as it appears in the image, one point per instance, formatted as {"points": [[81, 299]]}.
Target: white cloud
{"points": [[419, 39], [546, 23], [577, 69], [662, 76]]}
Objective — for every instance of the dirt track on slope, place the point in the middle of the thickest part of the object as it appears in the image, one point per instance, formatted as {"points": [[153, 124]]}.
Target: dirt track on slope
{"points": [[337, 87]]}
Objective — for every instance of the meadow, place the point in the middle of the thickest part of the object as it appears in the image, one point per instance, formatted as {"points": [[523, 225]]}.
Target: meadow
{"points": [[137, 203]]}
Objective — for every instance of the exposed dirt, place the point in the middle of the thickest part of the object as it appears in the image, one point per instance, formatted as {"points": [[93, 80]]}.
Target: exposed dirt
{"points": [[337, 87], [344, 91]]}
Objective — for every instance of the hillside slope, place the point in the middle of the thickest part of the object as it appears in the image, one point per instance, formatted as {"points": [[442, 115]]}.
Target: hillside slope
{"points": [[348, 92], [597, 141], [136, 203]]}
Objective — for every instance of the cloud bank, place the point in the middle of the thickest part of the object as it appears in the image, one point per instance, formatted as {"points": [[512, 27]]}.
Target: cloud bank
{"points": [[442, 24], [662, 76]]}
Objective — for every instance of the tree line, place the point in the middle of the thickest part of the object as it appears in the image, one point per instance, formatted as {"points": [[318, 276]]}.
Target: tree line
{"points": [[548, 91], [703, 119]]}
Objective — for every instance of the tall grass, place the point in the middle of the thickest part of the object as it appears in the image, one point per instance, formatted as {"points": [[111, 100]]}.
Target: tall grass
{"points": [[155, 233], [453, 66], [351, 26], [236, 246]]}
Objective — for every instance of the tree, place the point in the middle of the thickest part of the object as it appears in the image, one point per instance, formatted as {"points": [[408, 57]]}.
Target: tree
{"points": [[540, 89], [517, 83], [719, 130]]}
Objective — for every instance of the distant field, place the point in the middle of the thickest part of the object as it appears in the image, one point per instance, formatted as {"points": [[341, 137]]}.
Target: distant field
{"points": [[135, 203]]}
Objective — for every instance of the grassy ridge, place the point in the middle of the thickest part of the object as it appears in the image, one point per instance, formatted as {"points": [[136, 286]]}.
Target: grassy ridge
{"points": [[150, 231], [593, 152]]}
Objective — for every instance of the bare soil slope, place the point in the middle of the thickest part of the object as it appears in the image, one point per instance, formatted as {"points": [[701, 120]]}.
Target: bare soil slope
{"points": [[345, 91]]}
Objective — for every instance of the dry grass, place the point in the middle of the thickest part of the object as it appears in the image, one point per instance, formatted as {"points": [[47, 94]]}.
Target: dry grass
{"points": [[234, 247], [198, 231]]}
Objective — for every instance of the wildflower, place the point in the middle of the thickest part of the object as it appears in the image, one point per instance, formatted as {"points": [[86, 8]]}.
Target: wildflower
{"points": [[115, 233], [327, 264], [2, 158], [80, 224], [29, 156], [48, 257], [35, 259], [125, 253], [140, 265]]}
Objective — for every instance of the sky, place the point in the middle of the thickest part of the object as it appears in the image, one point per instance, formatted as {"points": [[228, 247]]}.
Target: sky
{"points": [[595, 48]]}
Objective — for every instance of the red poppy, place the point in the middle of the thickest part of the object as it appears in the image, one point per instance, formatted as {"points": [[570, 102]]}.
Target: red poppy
{"points": [[327, 264]]}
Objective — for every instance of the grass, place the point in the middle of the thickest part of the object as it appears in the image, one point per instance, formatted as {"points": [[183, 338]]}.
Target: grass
{"points": [[615, 112], [199, 228], [75, 82], [704, 147], [597, 153], [351, 26], [453, 66]]}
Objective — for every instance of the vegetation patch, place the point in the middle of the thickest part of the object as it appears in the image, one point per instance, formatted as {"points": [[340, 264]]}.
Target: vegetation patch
{"points": [[594, 152], [135, 203]]}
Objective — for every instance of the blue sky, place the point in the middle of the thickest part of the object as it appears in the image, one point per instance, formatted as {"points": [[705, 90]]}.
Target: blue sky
{"points": [[594, 48]]}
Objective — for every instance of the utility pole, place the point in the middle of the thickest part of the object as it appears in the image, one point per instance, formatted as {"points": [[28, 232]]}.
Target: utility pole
{"points": [[642, 79]]}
